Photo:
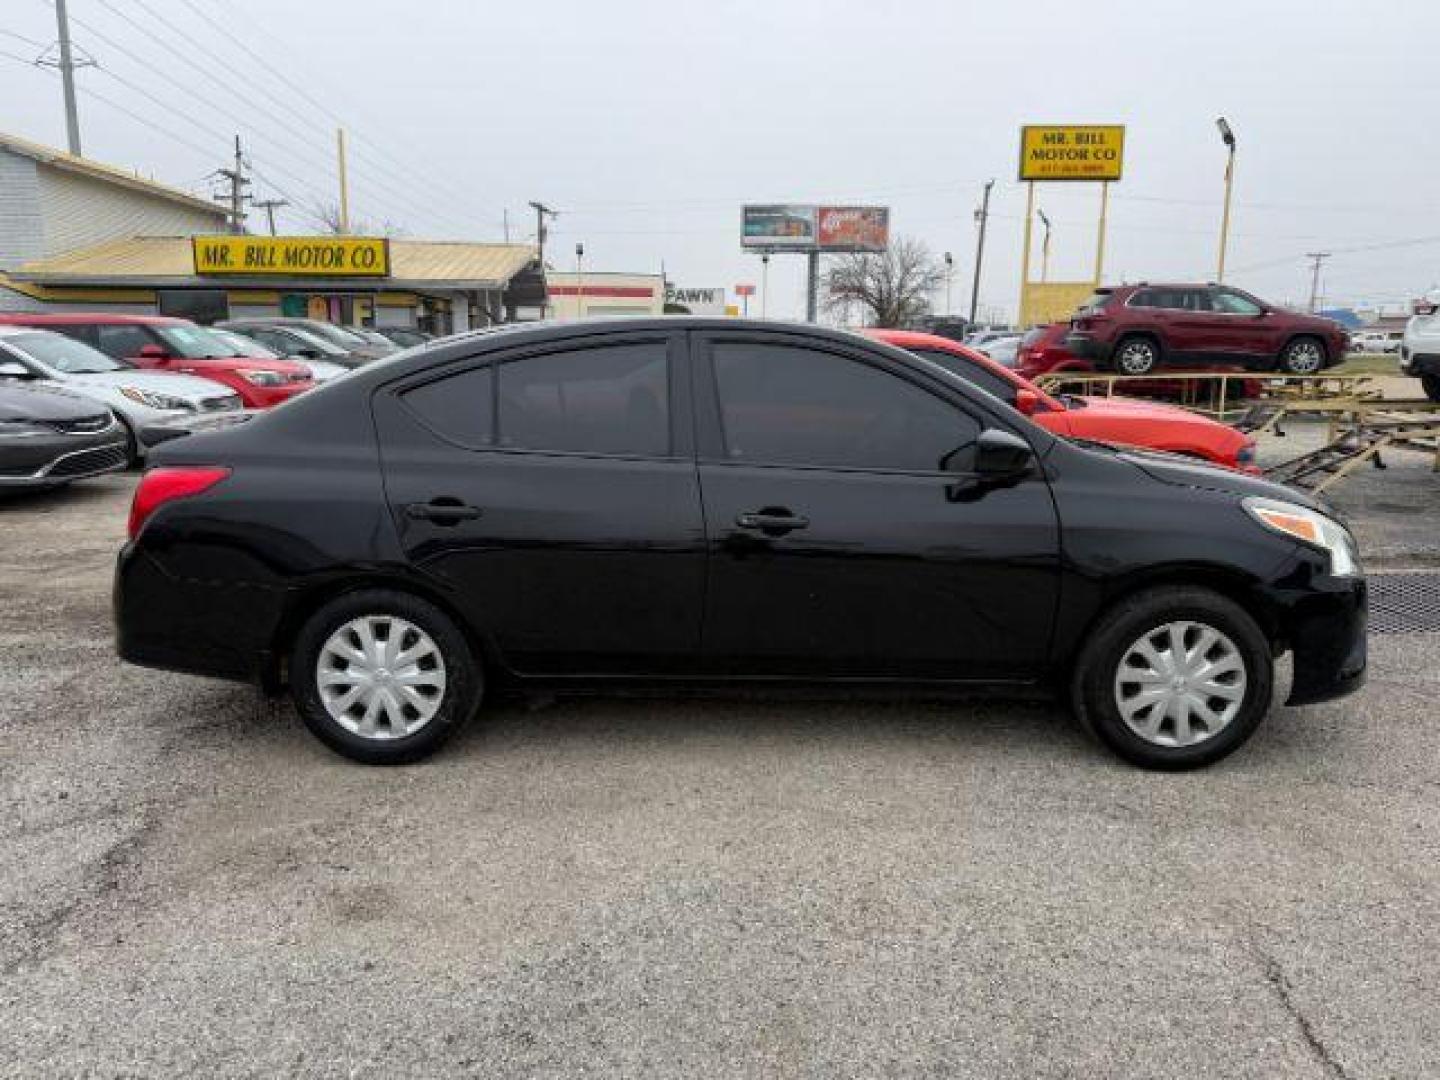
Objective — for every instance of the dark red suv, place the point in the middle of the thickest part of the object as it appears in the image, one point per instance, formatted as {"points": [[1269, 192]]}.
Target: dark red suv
{"points": [[1136, 328]]}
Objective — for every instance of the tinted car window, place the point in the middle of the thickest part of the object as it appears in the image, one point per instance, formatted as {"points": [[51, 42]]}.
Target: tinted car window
{"points": [[1145, 298], [460, 407], [66, 354], [783, 405], [608, 400], [1234, 304], [123, 341], [972, 372]]}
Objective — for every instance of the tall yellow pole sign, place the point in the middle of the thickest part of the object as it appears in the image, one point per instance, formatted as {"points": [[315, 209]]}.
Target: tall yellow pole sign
{"points": [[1093, 153], [292, 256], [1051, 152]]}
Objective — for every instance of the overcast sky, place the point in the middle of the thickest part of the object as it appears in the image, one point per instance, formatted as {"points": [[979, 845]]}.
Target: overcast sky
{"points": [[648, 124]]}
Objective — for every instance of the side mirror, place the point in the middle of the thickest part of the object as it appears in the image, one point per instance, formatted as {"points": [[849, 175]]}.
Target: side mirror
{"points": [[1000, 455], [13, 369], [1027, 401], [153, 352]]}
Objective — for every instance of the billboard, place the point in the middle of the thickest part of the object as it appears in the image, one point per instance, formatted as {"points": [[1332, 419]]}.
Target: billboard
{"points": [[778, 227], [292, 256], [805, 228], [1072, 152], [853, 228]]}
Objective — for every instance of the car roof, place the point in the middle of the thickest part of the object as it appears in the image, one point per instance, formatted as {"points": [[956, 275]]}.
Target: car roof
{"points": [[80, 318]]}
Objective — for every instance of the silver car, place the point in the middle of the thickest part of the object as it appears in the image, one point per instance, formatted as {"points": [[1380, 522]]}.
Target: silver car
{"points": [[1420, 350], [140, 398]]}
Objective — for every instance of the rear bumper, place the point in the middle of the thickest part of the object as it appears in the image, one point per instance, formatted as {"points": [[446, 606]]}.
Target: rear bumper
{"points": [[217, 629], [1419, 363], [1326, 630], [1086, 347]]}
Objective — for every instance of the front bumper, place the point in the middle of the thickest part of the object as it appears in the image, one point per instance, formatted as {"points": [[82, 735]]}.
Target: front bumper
{"points": [[1326, 631], [45, 461]]}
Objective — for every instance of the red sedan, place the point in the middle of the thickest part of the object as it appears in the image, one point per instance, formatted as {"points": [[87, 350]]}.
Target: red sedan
{"points": [[1116, 420], [161, 343]]}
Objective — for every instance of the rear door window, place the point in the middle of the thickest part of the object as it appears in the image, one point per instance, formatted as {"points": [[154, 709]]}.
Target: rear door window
{"points": [[611, 399], [460, 407]]}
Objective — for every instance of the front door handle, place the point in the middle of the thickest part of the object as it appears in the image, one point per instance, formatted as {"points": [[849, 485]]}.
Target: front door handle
{"points": [[443, 511], [773, 521]]}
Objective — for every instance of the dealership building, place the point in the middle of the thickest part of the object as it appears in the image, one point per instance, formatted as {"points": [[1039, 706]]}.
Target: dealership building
{"points": [[79, 235]]}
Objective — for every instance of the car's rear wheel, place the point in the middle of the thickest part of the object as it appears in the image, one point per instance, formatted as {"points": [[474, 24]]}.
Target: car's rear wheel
{"points": [[383, 677], [1303, 356], [1431, 386], [1174, 678], [1136, 356]]}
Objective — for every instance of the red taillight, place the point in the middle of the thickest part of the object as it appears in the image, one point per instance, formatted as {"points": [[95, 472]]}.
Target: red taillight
{"points": [[162, 485]]}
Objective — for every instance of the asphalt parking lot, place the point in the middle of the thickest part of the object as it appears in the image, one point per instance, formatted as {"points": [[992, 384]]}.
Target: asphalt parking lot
{"points": [[191, 885]]}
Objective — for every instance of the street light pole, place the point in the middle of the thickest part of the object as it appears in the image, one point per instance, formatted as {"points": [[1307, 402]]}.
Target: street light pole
{"points": [[764, 283], [1227, 135], [1044, 246], [982, 216], [579, 281], [949, 272]]}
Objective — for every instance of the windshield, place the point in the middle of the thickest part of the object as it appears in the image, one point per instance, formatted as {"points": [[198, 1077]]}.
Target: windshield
{"points": [[63, 354], [315, 341], [1033, 336], [1097, 300], [193, 343], [243, 346]]}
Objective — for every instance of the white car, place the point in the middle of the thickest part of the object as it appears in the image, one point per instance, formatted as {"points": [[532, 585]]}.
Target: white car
{"points": [[320, 370], [1420, 351], [1375, 341], [139, 398]]}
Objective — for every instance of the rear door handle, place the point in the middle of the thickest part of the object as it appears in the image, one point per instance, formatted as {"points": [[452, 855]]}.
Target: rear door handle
{"points": [[443, 511], [776, 522]]}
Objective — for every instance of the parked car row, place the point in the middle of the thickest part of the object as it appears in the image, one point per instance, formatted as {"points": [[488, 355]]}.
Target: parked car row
{"points": [[706, 502]]}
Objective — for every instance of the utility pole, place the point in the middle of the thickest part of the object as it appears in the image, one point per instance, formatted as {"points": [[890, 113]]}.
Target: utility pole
{"points": [[982, 216], [505, 219], [238, 183], [269, 206], [541, 213], [66, 64], [1318, 257], [812, 286]]}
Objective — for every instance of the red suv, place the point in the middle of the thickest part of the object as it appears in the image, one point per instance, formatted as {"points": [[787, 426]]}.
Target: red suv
{"points": [[165, 344], [1136, 328]]}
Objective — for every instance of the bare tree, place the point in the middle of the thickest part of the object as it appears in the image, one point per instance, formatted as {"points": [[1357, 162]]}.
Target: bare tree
{"points": [[328, 215], [891, 289]]}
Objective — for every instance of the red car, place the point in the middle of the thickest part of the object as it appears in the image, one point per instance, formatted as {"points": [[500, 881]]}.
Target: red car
{"points": [[161, 343], [1116, 420], [1135, 329]]}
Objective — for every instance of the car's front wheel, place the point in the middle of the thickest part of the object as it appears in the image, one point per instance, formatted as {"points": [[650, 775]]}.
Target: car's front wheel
{"points": [[1303, 356], [1431, 386], [383, 677], [1136, 356], [1174, 678]]}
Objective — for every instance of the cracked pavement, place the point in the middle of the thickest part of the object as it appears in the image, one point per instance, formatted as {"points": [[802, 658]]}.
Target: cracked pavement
{"points": [[191, 885]]}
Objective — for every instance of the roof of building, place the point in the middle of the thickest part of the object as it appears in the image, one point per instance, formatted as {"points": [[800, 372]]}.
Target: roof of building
{"points": [[167, 260], [49, 155]]}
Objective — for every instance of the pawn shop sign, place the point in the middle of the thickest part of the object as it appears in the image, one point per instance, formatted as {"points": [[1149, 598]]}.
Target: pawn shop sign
{"points": [[1072, 152]]}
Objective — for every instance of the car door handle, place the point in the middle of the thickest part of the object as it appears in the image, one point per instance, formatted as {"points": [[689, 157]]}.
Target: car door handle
{"points": [[774, 521], [443, 511]]}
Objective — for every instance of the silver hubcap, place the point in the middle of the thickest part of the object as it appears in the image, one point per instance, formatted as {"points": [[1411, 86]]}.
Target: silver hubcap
{"points": [[1304, 358], [1180, 684], [1137, 358], [381, 677]]}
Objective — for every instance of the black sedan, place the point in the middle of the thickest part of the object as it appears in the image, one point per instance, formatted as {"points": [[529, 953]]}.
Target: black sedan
{"points": [[50, 437], [717, 503]]}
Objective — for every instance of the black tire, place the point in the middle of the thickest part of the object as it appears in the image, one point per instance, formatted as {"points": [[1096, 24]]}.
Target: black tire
{"points": [[1137, 354], [459, 700], [1093, 684], [133, 458], [1303, 356], [1431, 386]]}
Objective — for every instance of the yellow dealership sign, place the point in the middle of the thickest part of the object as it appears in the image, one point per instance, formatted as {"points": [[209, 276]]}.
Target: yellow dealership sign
{"points": [[1072, 152], [292, 256]]}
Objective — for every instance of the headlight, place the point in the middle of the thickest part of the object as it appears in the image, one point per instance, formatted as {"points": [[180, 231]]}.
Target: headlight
{"points": [[154, 400], [22, 429], [263, 378], [1310, 527]]}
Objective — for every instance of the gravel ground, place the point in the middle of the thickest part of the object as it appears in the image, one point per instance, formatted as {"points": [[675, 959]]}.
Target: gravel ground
{"points": [[190, 885]]}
